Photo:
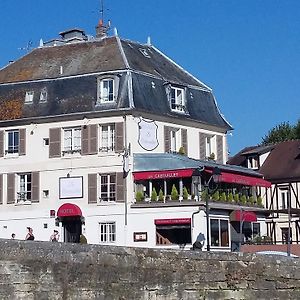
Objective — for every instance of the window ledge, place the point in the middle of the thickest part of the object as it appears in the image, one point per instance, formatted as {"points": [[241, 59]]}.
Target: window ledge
{"points": [[22, 202]]}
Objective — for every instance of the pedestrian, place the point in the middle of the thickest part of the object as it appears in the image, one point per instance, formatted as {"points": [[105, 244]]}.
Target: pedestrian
{"points": [[55, 236], [13, 235], [82, 239], [29, 236]]}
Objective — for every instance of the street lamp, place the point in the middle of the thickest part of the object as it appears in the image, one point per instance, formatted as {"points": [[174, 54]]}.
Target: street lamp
{"points": [[215, 176]]}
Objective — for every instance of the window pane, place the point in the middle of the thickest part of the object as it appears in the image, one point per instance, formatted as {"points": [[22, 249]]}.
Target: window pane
{"points": [[224, 233], [214, 232]]}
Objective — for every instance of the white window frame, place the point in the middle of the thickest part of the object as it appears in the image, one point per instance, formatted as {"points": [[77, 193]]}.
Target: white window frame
{"points": [[12, 149], [253, 162], [71, 143], [107, 138], [175, 139], [29, 96], [284, 197], [220, 238], [210, 146], [24, 187], [111, 192], [104, 96], [107, 232], [178, 104]]}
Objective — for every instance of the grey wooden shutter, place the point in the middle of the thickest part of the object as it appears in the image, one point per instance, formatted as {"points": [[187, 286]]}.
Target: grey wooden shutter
{"points": [[22, 141], [84, 140], [93, 139], [54, 142], [120, 187], [11, 188], [219, 149], [119, 138], [184, 141], [35, 187], [92, 188], [1, 188], [1, 143], [167, 138], [202, 137]]}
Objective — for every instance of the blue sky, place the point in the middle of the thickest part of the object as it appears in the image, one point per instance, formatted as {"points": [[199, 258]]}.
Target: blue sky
{"points": [[247, 51]]}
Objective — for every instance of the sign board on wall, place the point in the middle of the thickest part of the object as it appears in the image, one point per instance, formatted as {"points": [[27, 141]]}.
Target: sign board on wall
{"points": [[70, 187], [140, 236]]}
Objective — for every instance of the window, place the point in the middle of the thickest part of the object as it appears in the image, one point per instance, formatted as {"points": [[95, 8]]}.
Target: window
{"points": [[219, 233], [43, 95], [108, 232], [72, 140], [107, 187], [106, 90], [177, 99], [284, 194], [285, 234], [174, 140], [107, 138], [179, 234], [12, 141], [253, 162], [29, 97], [24, 187], [209, 147], [255, 229]]}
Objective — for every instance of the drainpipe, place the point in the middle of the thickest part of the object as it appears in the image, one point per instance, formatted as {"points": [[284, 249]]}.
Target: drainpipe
{"points": [[125, 179]]}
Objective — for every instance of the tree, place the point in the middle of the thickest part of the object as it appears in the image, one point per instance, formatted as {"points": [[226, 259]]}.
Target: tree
{"points": [[280, 133], [297, 130]]}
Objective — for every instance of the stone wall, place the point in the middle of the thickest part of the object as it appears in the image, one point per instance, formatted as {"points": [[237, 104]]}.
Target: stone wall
{"points": [[44, 270]]}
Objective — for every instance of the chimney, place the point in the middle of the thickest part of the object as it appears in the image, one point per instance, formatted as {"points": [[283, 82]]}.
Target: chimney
{"points": [[101, 29]]}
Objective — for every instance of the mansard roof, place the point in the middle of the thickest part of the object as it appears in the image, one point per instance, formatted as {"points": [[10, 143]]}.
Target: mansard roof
{"points": [[69, 72]]}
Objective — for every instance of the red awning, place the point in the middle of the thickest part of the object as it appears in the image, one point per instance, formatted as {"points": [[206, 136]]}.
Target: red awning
{"points": [[242, 179], [165, 174], [69, 210], [243, 216], [179, 221]]}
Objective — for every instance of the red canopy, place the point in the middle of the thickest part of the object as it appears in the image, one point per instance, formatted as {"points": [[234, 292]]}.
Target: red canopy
{"points": [[172, 221], [69, 210], [241, 179], [243, 216], [163, 174]]}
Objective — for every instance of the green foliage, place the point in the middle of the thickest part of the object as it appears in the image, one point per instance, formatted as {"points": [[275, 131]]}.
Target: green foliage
{"points": [[230, 197], [174, 193], [236, 198], [204, 194], [251, 200], [259, 201], [212, 156], [185, 193], [216, 196], [182, 151], [282, 132], [153, 195], [223, 197], [160, 195], [243, 199], [139, 196]]}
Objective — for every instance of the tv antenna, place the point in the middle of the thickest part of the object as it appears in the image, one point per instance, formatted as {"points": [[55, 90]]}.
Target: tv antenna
{"points": [[28, 47]]}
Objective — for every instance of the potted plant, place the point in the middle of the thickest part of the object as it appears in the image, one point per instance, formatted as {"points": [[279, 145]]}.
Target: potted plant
{"points": [[259, 201], [182, 151], [174, 193], [153, 195], [216, 196], [243, 199], [230, 197], [160, 195], [223, 197], [185, 194], [139, 196], [236, 198]]}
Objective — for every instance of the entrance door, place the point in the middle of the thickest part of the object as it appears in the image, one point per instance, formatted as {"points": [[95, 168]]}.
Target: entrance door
{"points": [[72, 229]]}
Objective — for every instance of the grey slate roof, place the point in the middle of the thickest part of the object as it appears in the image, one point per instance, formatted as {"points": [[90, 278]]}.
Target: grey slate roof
{"points": [[75, 90]]}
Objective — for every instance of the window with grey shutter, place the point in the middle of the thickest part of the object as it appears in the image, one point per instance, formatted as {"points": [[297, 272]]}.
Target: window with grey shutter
{"points": [[219, 149], [89, 139], [11, 188], [202, 137], [92, 188], [85, 140], [120, 187], [184, 141], [1, 143], [54, 142], [119, 137], [167, 138], [22, 141], [1, 189], [35, 187]]}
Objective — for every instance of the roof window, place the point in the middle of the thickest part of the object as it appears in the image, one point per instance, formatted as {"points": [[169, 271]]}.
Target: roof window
{"points": [[29, 97], [144, 52]]}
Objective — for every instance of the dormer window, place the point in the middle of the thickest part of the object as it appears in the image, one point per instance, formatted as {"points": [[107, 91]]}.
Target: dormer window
{"points": [[253, 162], [177, 98], [106, 90], [29, 97], [144, 52]]}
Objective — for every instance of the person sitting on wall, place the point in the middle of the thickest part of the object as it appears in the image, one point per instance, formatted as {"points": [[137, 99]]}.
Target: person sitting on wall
{"points": [[55, 236], [82, 239], [13, 236], [29, 236], [198, 244]]}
